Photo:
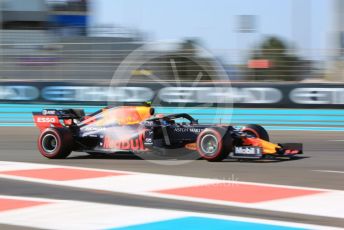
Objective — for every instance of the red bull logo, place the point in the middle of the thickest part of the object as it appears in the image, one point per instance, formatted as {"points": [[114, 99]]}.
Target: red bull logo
{"points": [[133, 144]]}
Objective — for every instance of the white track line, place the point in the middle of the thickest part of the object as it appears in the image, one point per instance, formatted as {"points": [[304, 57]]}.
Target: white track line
{"points": [[66, 214], [329, 171], [148, 184]]}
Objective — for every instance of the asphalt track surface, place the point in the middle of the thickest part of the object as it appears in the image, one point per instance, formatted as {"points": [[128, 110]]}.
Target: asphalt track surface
{"points": [[322, 166]]}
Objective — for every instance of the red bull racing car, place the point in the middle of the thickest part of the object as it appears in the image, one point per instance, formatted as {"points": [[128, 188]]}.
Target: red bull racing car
{"points": [[135, 129]]}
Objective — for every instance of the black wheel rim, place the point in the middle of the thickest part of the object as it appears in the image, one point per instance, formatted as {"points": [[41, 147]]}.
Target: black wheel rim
{"points": [[49, 143], [209, 145]]}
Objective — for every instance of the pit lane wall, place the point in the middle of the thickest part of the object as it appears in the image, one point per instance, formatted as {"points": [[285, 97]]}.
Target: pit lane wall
{"points": [[277, 106]]}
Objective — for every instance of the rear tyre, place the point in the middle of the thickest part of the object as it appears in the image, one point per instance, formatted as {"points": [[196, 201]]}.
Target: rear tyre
{"points": [[55, 143], [256, 131], [214, 144]]}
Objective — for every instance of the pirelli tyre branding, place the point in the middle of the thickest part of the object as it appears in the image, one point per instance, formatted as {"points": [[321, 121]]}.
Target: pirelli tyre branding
{"points": [[291, 95]]}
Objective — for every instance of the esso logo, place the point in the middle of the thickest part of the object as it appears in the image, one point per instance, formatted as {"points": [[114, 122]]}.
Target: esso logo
{"points": [[46, 119]]}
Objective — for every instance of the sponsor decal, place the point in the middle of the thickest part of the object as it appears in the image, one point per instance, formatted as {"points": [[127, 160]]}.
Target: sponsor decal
{"points": [[48, 112], [184, 130], [93, 128], [133, 144], [317, 96], [261, 95], [247, 150], [19, 92], [255, 95], [101, 93], [45, 119], [43, 122]]}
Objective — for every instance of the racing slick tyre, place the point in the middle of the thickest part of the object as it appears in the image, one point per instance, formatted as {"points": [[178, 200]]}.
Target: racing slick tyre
{"points": [[55, 143], [214, 144], [256, 131]]}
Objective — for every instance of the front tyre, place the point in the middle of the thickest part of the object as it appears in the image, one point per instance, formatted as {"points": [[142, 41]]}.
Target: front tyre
{"points": [[55, 143], [256, 131], [214, 144]]}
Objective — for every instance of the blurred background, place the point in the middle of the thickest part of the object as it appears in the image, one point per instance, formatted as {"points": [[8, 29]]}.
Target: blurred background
{"points": [[272, 54], [277, 63], [293, 40]]}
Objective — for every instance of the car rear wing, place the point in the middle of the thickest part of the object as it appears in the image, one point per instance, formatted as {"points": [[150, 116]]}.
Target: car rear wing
{"points": [[53, 117]]}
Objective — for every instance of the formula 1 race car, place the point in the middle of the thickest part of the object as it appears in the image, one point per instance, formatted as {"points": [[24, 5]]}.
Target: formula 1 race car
{"points": [[135, 129]]}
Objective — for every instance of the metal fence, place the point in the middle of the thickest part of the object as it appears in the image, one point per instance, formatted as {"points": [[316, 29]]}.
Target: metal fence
{"points": [[41, 55]]}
